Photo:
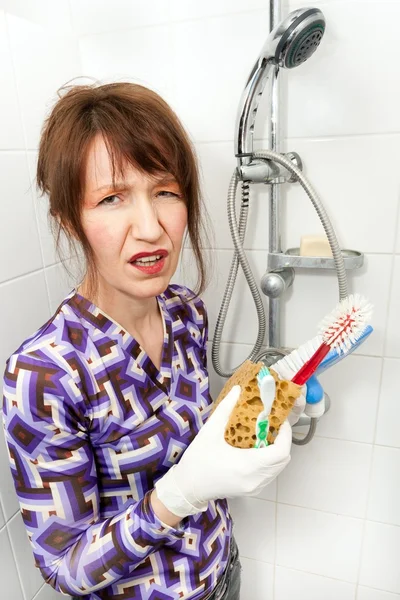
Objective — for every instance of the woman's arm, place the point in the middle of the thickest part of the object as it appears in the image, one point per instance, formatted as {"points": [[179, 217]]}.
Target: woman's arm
{"points": [[55, 478]]}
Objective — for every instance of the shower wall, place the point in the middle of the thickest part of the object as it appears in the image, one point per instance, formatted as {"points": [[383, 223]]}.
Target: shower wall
{"points": [[330, 526]]}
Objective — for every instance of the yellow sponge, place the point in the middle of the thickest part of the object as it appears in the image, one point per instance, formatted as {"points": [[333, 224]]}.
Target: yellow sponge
{"points": [[241, 428]]}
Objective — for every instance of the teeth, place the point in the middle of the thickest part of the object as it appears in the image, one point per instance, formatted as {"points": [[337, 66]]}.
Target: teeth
{"points": [[147, 259]]}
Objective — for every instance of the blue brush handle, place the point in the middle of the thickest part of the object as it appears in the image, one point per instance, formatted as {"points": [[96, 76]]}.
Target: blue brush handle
{"points": [[315, 392], [334, 356]]}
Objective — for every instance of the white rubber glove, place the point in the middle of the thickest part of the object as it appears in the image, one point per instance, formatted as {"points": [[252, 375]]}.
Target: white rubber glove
{"points": [[210, 468], [298, 407]]}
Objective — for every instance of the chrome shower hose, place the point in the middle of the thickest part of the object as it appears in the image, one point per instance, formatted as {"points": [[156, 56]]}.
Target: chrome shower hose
{"points": [[238, 231]]}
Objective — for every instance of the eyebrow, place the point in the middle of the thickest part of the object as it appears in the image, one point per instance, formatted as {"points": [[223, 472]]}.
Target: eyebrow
{"points": [[120, 185], [108, 186]]}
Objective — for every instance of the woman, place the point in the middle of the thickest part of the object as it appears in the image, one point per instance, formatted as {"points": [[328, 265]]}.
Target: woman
{"points": [[120, 498]]}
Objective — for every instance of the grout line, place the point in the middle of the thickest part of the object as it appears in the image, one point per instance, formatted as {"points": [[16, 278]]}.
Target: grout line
{"points": [[39, 590], [391, 278], [275, 539], [32, 196], [318, 574], [337, 514], [168, 21], [315, 138], [364, 525], [13, 150], [230, 141], [17, 566], [8, 281], [34, 272], [227, 249], [354, 355], [75, 35]]}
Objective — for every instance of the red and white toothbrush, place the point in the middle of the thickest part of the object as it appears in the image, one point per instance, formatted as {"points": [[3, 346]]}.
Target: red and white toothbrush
{"points": [[340, 330]]}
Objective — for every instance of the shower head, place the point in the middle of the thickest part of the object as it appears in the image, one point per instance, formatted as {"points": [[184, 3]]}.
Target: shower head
{"points": [[294, 40], [290, 44]]}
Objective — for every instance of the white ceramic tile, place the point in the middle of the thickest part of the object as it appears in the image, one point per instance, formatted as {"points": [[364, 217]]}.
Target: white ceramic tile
{"points": [[212, 62], [397, 248], [364, 593], [318, 542], [48, 14], [19, 238], [353, 387], [231, 356], [384, 499], [41, 203], [293, 4], [217, 163], [254, 527], [305, 586], [11, 134], [2, 520], [387, 431], [333, 93], [122, 14], [242, 323], [392, 347], [24, 306], [53, 60], [328, 475], [269, 492], [192, 9], [142, 56], [257, 580], [7, 491], [313, 295], [336, 170], [10, 585], [59, 285], [29, 575], [48, 593], [380, 558]]}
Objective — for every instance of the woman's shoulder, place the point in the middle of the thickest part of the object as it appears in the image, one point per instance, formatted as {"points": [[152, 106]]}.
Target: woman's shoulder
{"points": [[177, 294], [46, 364], [51, 341], [185, 307]]}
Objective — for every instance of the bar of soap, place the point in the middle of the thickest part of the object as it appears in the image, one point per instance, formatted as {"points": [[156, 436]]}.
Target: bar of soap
{"points": [[315, 245]]}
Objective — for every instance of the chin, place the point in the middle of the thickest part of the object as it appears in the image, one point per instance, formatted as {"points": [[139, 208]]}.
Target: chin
{"points": [[149, 288]]}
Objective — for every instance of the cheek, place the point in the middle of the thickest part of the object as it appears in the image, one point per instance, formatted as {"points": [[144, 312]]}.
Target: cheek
{"points": [[102, 236], [174, 222]]}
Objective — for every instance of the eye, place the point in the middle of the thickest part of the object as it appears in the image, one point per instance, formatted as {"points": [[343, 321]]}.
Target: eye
{"points": [[109, 201], [168, 194]]}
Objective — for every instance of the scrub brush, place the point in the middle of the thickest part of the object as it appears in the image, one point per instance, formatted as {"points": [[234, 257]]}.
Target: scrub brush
{"points": [[288, 366], [340, 330], [266, 384]]}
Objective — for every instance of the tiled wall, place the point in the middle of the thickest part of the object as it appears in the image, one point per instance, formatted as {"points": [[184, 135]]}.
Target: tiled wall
{"points": [[330, 526]]}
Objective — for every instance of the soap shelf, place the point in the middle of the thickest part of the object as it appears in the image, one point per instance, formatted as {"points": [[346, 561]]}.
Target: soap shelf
{"points": [[291, 258]]}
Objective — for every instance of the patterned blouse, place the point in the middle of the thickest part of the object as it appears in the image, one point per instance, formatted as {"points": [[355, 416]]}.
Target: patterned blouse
{"points": [[91, 424]]}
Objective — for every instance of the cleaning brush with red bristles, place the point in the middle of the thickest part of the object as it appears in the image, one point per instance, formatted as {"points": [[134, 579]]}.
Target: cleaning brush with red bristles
{"points": [[340, 330]]}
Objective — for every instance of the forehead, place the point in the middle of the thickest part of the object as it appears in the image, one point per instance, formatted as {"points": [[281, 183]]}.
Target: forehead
{"points": [[99, 171], [98, 162]]}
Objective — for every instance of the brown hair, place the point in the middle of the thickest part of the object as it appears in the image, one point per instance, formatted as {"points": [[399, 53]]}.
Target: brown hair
{"points": [[138, 127]]}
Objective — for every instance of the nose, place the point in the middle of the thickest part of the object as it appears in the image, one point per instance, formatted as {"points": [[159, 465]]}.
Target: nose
{"points": [[145, 222]]}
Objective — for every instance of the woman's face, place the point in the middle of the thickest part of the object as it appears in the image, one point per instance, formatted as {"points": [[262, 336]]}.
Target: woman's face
{"points": [[135, 229]]}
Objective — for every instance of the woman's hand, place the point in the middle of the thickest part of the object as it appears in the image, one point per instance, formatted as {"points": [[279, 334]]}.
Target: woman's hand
{"points": [[298, 407], [210, 468]]}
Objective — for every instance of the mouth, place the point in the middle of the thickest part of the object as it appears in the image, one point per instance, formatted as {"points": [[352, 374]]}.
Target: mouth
{"points": [[150, 263], [147, 258]]}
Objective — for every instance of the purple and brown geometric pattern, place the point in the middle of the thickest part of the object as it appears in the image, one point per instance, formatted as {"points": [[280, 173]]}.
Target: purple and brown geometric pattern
{"points": [[91, 424]]}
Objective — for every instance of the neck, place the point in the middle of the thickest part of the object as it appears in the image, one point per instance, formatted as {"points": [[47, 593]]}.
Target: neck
{"points": [[134, 314]]}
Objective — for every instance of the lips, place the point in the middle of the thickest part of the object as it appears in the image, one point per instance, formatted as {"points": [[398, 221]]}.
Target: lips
{"points": [[161, 253]]}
